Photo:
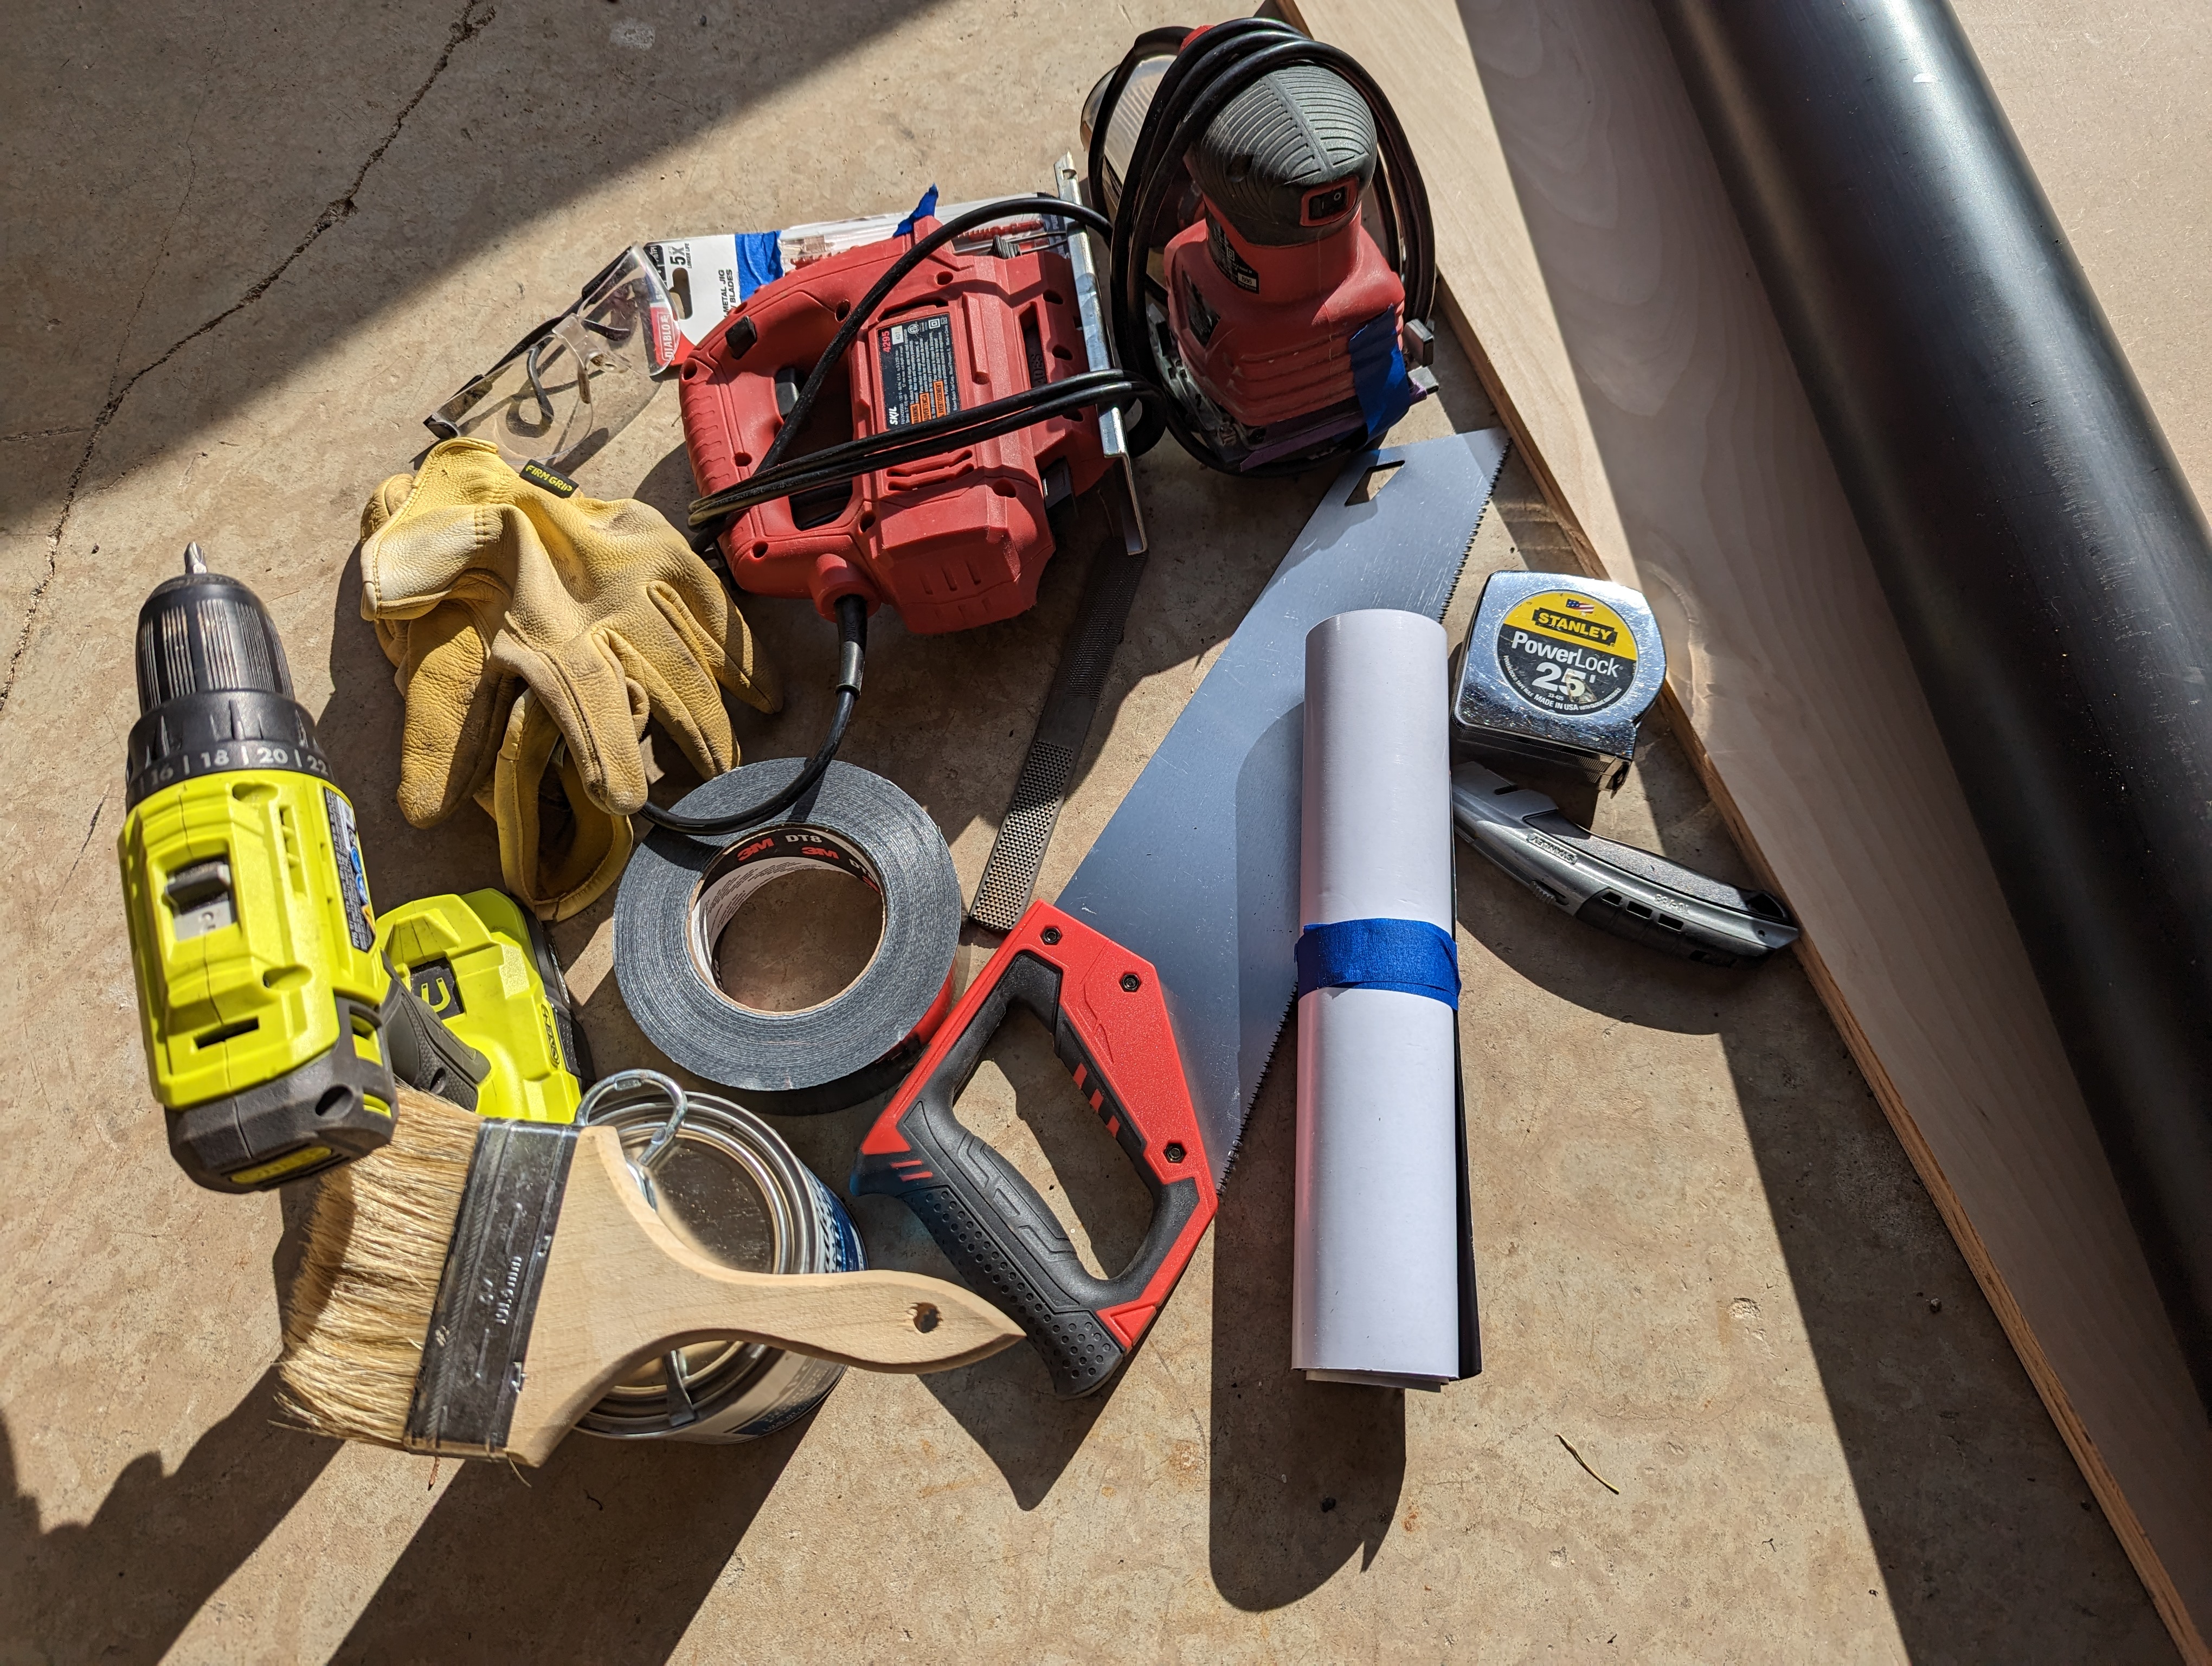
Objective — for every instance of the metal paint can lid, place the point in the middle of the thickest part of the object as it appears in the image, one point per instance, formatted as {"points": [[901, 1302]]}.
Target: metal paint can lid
{"points": [[728, 1187]]}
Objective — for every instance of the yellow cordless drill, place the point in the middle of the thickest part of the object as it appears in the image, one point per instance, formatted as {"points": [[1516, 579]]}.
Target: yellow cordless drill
{"points": [[277, 1012], [261, 989]]}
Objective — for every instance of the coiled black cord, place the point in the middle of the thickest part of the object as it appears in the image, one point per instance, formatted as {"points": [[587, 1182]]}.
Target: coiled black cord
{"points": [[852, 656], [1205, 75]]}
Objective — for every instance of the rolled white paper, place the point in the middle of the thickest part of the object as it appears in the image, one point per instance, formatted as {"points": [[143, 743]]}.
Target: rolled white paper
{"points": [[1376, 1270]]}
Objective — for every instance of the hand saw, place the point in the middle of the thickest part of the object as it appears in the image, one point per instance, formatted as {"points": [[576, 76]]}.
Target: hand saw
{"points": [[1168, 967]]}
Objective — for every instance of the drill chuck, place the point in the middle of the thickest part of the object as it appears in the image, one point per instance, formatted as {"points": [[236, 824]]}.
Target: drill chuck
{"points": [[213, 692]]}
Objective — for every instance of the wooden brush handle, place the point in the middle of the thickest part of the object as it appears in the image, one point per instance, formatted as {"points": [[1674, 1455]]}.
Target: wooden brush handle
{"points": [[622, 1289]]}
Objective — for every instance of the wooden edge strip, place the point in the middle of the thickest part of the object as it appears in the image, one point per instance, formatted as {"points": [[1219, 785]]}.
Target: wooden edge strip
{"points": [[2164, 1595]]}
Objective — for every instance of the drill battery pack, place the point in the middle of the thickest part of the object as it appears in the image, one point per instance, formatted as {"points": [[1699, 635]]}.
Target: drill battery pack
{"points": [[482, 964]]}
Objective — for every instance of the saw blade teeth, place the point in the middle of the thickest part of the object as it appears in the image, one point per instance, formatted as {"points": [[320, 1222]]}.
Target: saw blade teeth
{"points": [[1221, 1174], [1244, 1112], [1482, 518]]}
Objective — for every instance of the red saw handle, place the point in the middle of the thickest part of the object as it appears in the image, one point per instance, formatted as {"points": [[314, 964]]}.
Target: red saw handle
{"points": [[1110, 1029]]}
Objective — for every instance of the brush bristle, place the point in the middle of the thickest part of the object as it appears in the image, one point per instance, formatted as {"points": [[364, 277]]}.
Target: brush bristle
{"points": [[376, 1246]]}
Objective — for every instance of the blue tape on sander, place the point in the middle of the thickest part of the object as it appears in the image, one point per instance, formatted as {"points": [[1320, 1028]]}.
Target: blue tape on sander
{"points": [[681, 893]]}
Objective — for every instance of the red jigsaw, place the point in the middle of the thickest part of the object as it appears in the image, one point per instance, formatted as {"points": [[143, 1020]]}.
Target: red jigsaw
{"points": [[952, 540]]}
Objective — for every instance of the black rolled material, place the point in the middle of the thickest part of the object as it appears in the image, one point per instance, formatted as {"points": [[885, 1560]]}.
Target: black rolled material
{"points": [[2044, 559]]}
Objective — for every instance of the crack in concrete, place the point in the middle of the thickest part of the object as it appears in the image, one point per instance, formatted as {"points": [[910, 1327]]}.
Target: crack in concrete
{"points": [[475, 16], [91, 827], [30, 434], [160, 252]]}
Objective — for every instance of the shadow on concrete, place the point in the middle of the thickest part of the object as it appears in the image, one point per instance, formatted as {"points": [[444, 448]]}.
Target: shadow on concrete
{"points": [[1008, 1409], [1965, 1486], [1034, 1117], [429, 129], [123, 1586], [1304, 1477], [603, 1554], [78, 1590]]}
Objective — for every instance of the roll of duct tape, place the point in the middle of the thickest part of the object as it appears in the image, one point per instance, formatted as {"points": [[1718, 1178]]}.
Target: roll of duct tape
{"points": [[681, 894]]}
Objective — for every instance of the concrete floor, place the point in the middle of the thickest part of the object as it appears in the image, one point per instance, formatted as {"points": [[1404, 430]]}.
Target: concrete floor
{"points": [[249, 245]]}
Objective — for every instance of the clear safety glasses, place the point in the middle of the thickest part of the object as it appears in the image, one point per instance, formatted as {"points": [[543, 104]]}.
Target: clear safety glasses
{"points": [[568, 386]]}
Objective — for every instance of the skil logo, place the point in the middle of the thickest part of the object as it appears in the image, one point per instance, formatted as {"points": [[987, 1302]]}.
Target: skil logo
{"points": [[1568, 625]]}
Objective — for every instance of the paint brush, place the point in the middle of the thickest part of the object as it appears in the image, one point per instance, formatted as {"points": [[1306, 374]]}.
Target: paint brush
{"points": [[474, 1288]]}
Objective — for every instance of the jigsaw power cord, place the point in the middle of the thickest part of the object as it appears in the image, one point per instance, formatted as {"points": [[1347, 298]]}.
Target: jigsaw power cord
{"points": [[834, 463], [851, 653]]}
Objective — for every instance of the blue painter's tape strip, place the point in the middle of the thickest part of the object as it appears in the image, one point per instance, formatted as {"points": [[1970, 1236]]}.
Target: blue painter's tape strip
{"points": [[923, 210], [1410, 956], [1379, 373], [760, 260]]}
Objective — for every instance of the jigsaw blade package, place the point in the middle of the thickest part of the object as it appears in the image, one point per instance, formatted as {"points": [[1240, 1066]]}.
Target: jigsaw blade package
{"points": [[1377, 1275]]}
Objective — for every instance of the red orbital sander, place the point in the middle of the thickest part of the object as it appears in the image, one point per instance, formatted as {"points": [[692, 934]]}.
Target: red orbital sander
{"points": [[1272, 266]]}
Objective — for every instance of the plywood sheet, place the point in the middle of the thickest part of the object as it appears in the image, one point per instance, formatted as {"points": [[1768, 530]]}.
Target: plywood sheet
{"points": [[1591, 257]]}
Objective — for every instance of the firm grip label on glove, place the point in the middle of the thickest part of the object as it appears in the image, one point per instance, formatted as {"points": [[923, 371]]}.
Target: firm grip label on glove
{"points": [[921, 378], [546, 479], [1567, 652]]}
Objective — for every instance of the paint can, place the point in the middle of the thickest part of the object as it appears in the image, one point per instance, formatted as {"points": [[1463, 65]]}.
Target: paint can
{"points": [[726, 1185]]}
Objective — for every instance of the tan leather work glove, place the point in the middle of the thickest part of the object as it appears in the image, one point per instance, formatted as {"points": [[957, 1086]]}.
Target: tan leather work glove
{"points": [[597, 605], [557, 850], [481, 584]]}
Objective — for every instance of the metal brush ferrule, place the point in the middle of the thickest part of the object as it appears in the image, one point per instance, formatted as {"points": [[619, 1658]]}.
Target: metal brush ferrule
{"points": [[472, 1359]]}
